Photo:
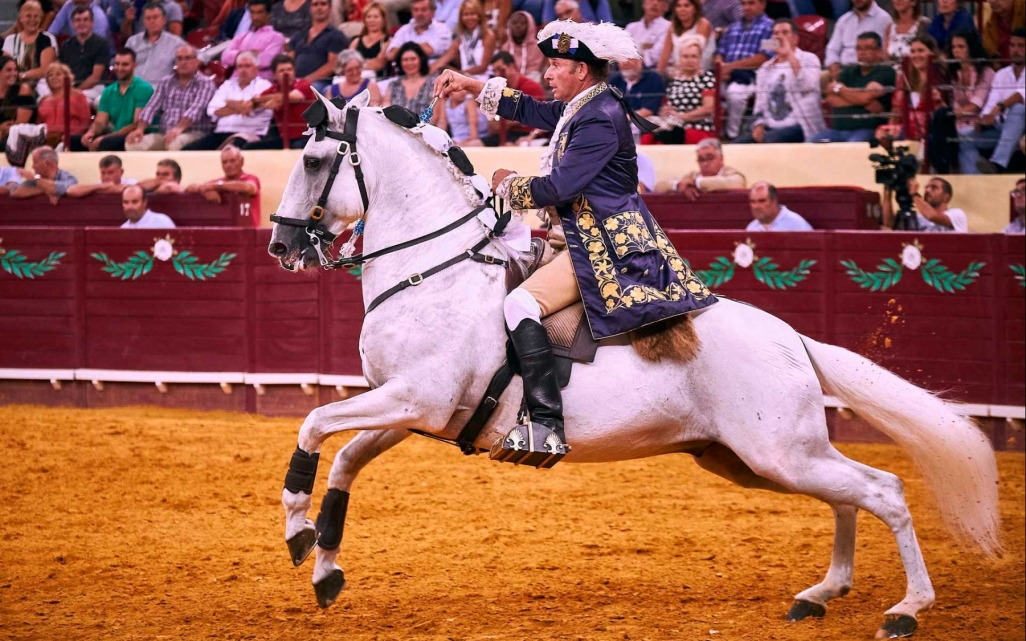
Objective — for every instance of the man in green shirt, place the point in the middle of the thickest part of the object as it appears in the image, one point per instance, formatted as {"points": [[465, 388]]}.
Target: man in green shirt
{"points": [[861, 96], [119, 108]]}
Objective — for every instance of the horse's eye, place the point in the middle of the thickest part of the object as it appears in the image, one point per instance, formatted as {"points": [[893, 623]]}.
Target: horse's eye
{"points": [[312, 164]]}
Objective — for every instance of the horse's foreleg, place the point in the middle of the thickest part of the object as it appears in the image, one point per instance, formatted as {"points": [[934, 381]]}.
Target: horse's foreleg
{"points": [[328, 578], [812, 602]]}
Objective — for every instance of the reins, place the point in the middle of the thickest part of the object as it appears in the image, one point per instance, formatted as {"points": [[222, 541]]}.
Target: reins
{"points": [[321, 238]]}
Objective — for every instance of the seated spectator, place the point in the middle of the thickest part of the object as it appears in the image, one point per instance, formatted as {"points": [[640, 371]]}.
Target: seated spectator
{"points": [[787, 98], [650, 32], [87, 55], [45, 178], [181, 99], [261, 38], [17, 100], [120, 106], [9, 178], [168, 179], [412, 88], [315, 50], [433, 37], [925, 114], [112, 180], [64, 22], [949, 19], [859, 94], [712, 174], [933, 212], [300, 96], [643, 89], [741, 53], [49, 13], [504, 65], [373, 39], [522, 45], [909, 23], [466, 123], [1018, 225], [154, 47], [971, 79], [769, 215], [474, 43], [236, 120], [1005, 16], [690, 98], [138, 215], [32, 48], [290, 17], [350, 67], [133, 23], [51, 108], [594, 12], [234, 181], [721, 13], [842, 49], [1002, 121], [686, 22]]}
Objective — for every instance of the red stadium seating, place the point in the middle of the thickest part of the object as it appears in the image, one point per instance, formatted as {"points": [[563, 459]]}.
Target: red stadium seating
{"points": [[812, 35]]}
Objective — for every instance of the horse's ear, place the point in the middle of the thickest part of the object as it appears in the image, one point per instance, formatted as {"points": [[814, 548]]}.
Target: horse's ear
{"points": [[334, 114], [360, 100]]}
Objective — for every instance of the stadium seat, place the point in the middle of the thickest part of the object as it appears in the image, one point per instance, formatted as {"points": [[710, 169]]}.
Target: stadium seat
{"points": [[812, 35], [202, 37], [216, 72]]}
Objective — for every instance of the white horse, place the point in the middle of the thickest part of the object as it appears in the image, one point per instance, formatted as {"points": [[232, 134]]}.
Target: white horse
{"points": [[750, 403]]}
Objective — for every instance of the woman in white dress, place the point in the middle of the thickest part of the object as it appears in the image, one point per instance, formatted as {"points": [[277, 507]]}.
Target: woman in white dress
{"points": [[686, 20], [909, 23]]}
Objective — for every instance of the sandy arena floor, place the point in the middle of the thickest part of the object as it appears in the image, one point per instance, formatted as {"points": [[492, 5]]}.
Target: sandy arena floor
{"points": [[147, 523]]}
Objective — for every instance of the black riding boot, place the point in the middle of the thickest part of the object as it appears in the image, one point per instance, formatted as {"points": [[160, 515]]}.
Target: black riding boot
{"points": [[542, 443]]}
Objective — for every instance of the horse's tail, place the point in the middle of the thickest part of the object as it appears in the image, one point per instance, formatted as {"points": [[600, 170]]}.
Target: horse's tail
{"points": [[954, 456]]}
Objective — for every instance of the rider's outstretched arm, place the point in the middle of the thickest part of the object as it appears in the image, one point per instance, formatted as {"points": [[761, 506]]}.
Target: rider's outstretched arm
{"points": [[499, 100]]}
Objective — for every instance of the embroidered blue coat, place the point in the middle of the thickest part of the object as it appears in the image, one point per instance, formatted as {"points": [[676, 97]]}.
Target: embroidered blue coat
{"points": [[628, 272]]}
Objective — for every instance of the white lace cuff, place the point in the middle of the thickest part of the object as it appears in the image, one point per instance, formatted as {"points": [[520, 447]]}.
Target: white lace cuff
{"points": [[490, 96], [502, 190]]}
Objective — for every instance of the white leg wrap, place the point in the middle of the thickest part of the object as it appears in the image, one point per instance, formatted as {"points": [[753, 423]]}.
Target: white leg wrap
{"points": [[520, 304]]}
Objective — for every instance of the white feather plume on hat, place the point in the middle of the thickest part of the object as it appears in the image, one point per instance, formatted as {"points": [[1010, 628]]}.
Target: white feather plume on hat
{"points": [[606, 40]]}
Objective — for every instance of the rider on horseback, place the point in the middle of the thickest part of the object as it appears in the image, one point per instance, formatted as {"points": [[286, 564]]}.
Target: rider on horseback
{"points": [[618, 260]]}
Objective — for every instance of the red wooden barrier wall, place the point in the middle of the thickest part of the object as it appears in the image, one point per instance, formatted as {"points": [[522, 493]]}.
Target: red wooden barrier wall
{"points": [[251, 316], [105, 210]]}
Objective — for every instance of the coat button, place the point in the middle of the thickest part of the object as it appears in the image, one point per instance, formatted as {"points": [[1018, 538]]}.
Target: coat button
{"points": [[623, 271]]}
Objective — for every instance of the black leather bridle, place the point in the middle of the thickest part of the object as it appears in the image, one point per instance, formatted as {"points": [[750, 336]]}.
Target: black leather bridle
{"points": [[321, 238]]}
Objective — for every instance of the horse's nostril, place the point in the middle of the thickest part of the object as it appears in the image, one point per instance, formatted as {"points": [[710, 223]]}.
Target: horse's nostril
{"points": [[278, 249]]}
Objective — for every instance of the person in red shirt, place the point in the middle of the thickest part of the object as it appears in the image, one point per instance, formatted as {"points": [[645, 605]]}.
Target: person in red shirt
{"points": [[235, 181], [300, 97], [504, 66]]}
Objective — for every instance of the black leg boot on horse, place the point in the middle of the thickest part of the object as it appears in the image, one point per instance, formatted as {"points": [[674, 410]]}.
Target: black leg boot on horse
{"points": [[542, 442]]}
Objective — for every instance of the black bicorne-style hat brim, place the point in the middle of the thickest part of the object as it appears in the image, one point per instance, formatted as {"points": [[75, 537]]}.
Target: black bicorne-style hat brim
{"points": [[564, 46]]}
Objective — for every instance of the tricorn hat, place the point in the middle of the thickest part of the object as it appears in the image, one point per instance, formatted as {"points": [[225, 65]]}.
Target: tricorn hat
{"points": [[586, 42]]}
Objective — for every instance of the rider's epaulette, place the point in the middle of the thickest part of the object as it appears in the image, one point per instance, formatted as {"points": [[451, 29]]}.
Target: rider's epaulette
{"points": [[459, 158], [401, 116]]}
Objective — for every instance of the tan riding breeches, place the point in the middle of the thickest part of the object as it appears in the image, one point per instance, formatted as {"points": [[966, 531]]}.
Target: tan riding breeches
{"points": [[554, 285]]}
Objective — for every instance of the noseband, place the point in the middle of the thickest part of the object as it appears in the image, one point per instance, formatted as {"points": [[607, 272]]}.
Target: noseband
{"points": [[321, 238]]}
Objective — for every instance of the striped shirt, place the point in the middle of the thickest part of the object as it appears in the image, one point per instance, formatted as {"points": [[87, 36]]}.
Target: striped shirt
{"points": [[175, 102], [742, 40]]}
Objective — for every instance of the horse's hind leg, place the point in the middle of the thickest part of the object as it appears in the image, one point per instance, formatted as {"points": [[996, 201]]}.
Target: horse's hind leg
{"points": [[328, 578], [838, 581]]}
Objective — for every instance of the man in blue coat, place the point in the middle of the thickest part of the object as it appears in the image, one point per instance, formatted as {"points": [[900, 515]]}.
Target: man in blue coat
{"points": [[618, 260]]}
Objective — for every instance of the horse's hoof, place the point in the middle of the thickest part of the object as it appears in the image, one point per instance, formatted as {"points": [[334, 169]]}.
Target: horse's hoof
{"points": [[897, 626], [805, 609], [301, 545], [329, 587]]}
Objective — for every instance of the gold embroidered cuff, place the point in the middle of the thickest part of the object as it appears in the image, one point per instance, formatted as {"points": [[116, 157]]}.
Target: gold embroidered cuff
{"points": [[520, 196]]}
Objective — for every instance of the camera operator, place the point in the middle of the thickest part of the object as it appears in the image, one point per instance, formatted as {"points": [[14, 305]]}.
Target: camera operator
{"points": [[932, 211]]}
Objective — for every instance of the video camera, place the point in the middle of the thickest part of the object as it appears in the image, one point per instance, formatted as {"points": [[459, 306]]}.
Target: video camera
{"points": [[893, 170]]}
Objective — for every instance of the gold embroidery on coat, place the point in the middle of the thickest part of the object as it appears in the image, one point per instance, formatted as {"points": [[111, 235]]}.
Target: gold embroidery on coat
{"points": [[561, 147], [613, 295], [520, 193], [512, 93], [629, 233], [563, 44]]}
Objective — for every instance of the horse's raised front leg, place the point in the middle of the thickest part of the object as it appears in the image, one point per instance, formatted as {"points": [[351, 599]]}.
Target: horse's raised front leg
{"points": [[328, 578], [812, 602], [388, 406]]}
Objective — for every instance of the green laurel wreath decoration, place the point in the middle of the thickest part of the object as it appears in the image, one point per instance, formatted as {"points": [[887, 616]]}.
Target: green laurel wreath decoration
{"points": [[888, 275], [935, 274], [1020, 274], [768, 273], [137, 264], [188, 265], [720, 271], [17, 264]]}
